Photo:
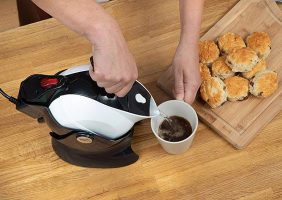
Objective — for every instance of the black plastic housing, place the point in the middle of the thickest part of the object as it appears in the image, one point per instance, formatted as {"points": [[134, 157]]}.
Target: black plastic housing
{"points": [[34, 101]]}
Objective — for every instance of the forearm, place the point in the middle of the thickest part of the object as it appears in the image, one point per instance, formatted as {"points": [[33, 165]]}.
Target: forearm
{"points": [[190, 17], [85, 17]]}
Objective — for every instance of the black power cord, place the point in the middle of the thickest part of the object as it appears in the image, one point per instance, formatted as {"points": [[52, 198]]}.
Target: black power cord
{"points": [[10, 98]]}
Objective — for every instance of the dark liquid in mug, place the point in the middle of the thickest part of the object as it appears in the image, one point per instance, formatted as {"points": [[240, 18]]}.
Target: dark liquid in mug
{"points": [[175, 129]]}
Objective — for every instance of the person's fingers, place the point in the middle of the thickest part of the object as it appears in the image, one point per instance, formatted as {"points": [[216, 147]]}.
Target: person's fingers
{"points": [[102, 84], [124, 90], [190, 91], [96, 76], [189, 94], [106, 84], [178, 85], [115, 88], [91, 72], [101, 76], [104, 81]]}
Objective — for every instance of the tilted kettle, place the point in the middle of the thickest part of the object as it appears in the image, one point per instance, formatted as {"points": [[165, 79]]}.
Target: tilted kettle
{"points": [[92, 109], [85, 120]]}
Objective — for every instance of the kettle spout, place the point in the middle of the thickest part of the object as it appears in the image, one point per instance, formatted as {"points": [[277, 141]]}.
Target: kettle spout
{"points": [[138, 104], [154, 110]]}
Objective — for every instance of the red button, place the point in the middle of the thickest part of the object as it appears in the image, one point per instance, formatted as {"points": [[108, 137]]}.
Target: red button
{"points": [[48, 82]]}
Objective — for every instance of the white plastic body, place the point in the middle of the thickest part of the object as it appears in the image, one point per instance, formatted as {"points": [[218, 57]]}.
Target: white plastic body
{"points": [[79, 112]]}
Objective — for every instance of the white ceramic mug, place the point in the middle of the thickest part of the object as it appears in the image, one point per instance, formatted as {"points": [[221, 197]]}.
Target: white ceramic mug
{"points": [[181, 109]]}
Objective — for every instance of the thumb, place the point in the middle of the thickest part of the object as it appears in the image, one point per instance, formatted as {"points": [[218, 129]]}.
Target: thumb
{"points": [[178, 86]]}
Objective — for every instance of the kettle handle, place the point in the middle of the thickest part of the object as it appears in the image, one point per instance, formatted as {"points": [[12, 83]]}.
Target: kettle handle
{"points": [[129, 102], [92, 62], [103, 91]]}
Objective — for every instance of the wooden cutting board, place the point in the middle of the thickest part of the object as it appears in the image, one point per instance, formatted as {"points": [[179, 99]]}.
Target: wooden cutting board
{"points": [[240, 122]]}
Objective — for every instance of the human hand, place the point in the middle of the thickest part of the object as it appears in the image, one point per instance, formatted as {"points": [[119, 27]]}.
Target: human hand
{"points": [[185, 69], [115, 68]]}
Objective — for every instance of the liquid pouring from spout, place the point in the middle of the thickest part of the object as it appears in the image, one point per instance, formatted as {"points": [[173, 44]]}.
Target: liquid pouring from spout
{"points": [[155, 111]]}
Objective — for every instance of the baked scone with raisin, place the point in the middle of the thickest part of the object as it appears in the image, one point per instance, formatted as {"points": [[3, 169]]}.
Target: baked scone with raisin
{"points": [[261, 65], [229, 42], [208, 51], [237, 88], [213, 92], [204, 71], [260, 42], [242, 60], [220, 69], [264, 83]]}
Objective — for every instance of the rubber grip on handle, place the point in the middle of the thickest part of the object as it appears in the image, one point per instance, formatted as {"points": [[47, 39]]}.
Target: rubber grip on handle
{"points": [[92, 63], [103, 91]]}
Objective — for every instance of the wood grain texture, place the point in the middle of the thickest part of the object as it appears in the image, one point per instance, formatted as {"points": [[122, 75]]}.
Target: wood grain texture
{"points": [[240, 122], [8, 15], [211, 169]]}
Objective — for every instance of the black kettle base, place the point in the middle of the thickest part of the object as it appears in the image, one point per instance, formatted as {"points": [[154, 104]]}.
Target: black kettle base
{"points": [[72, 156]]}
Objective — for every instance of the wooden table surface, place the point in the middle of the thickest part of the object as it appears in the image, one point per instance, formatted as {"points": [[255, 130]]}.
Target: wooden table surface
{"points": [[211, 169]]}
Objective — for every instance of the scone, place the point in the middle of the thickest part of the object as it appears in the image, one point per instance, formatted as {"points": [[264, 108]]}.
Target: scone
{"points": [[264, 83], [204, 71], [213, 92], [208, 51], [220, 69], [229, 42], [260, 42], [261, 65], [242, 60], [237, 88]]}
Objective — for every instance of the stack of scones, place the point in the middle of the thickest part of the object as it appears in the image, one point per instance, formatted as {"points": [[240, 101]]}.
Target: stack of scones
{"points": [[231, 69]]}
